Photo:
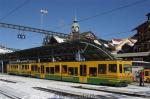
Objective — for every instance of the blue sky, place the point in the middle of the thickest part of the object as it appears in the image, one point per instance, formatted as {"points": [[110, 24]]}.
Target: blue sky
{"points": [[61, 13]]}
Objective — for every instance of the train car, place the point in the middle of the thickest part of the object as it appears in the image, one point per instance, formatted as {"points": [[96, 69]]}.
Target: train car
{"points": [[115, 72]]}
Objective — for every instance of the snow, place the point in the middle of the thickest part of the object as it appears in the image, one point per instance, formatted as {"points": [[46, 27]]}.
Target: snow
{"points": [[97, 42], [5, 50], [24, 88], [59, 40]]}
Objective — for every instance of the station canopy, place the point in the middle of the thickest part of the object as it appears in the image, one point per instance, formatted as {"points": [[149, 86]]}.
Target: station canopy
{"points": [[77, 50]]}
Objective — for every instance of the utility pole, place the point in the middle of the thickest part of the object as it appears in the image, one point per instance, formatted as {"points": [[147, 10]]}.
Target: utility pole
{"points": [[44, 12]]}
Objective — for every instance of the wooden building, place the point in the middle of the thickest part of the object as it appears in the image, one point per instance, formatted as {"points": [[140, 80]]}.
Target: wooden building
{"points": [[143, 36]]}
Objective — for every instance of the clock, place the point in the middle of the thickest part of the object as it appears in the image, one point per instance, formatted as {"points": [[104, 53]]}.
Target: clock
{"points": [[76, 29]]}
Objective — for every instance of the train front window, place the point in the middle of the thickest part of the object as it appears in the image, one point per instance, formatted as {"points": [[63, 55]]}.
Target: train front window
{"points": [[112, 68], [127, 68]]}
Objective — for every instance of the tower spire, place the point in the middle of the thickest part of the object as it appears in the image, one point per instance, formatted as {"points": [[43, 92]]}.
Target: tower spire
{"points": [[75, 17]]}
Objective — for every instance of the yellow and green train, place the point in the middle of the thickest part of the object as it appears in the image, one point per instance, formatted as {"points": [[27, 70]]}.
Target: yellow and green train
{"points": [[114, 72]]}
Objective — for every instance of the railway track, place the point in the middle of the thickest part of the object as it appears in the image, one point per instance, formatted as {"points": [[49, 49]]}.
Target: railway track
{"points": [[68, 93], [128, 93], [9, 81], [11, 93], [9, 96]]}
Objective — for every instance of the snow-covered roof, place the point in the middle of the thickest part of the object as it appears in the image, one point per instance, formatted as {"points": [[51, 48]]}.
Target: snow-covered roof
{"points": [[116, 41], [97, 42], [4, 50], [59, 40]]}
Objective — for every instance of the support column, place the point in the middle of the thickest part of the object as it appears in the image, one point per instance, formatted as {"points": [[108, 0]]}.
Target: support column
{"points": [[2, 64]]}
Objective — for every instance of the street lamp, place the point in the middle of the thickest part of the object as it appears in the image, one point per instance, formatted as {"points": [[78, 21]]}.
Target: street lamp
{"points": [[43, 12]]}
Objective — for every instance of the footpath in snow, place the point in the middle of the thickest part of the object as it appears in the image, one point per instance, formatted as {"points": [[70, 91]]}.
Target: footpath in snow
{"points": [[33, 88]]}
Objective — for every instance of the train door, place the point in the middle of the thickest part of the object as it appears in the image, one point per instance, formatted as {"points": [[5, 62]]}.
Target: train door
{"points": [[42, 71], [83, 74]]}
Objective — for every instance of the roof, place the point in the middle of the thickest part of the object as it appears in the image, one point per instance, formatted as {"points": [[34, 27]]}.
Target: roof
{"points": [[65, 51], [139, 54], [141, 25], [148, 14]]}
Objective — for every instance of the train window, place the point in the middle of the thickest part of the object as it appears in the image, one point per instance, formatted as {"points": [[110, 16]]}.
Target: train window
{"points": [[120, 68], [36, 68], [83, 70], [127, 68], [51, 71], [112, 68], [76, 71], [22, 66], [70, 71], [102, 68], [32, 68], [26, 67], [146, 73], [93, 71], [57, 68], [42, 69], [64, 69], [47, 70]]}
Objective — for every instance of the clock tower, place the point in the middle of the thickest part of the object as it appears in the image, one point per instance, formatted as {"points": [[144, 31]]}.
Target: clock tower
{"points": [[75, 28]]}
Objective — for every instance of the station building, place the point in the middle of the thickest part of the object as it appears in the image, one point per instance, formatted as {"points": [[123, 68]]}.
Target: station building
{"points": [[76, 47]]}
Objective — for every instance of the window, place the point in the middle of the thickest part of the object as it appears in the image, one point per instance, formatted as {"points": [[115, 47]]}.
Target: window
{"points": [[70, 71], [32, 68], [57, 69], [120, 68], [42, 69], [22, 66], [47, 70], [51, 71], [83, 70], [127, 68], [26, 67], [112, 68], [102, 69], [76, 71], [35, 68], [93, 71], [64, 69], [146, 73]]}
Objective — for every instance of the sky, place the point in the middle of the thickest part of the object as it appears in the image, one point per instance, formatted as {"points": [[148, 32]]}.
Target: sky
{"points": [[107, 19]]}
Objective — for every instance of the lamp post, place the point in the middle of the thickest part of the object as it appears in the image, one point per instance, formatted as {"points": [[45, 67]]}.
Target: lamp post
{"points": [[43, 12]]}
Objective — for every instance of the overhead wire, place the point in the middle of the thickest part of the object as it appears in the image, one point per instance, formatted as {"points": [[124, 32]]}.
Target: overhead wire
{"points": [[15, 9], [107, 12]]}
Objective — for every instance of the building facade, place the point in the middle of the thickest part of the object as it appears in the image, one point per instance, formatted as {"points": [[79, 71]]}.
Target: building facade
{"points": [[143, 36]]}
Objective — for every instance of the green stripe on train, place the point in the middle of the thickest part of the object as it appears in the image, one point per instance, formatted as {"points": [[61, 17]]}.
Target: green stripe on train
{"points": [[102, 81], [70, 78], [53, 77]]}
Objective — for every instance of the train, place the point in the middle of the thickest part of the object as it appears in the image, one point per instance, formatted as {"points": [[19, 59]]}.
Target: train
{"points": [[108, 72]]}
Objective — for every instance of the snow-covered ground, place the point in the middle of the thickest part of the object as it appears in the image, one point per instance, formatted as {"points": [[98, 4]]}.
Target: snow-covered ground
{"points": [[23, 87]]}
